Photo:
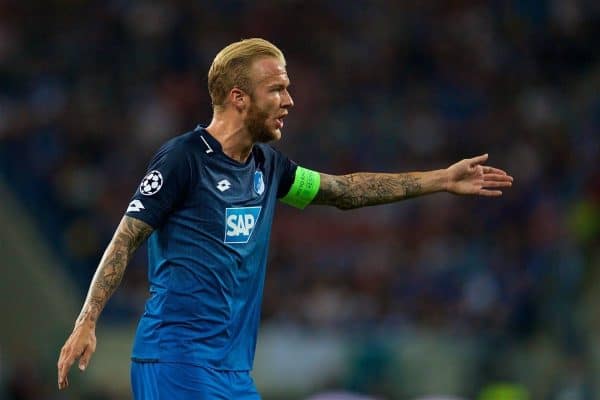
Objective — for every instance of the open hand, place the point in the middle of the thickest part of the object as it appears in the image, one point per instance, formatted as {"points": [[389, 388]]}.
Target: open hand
{"points": [[469, 176], [81, 344]]}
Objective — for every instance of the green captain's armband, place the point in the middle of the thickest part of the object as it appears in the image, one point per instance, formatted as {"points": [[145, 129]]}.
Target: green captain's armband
{"points": [[304, 189]]}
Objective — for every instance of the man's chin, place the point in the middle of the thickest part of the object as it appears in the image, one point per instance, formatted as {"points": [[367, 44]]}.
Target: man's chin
{"points": [[276, 135], [269, 136]]}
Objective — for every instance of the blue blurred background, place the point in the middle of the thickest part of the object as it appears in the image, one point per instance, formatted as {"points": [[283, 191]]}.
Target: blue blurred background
{"points": [[439, 295]]}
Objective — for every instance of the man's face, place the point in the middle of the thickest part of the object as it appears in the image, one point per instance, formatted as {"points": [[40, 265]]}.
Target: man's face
{"points": [[269, 100]]}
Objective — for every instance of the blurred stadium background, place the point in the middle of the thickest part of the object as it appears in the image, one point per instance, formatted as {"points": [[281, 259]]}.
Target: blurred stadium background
{"points": [[474, 298]]}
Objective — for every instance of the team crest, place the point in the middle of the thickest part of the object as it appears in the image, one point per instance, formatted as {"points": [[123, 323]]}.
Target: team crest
{"points": [[259, 183], [151, 183]]}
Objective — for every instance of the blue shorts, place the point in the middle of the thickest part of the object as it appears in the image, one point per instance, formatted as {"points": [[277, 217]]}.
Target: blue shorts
{"points": [[173, 381]]}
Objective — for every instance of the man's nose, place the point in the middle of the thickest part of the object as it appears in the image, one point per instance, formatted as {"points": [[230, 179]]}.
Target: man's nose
{"points": [[288, 102]]}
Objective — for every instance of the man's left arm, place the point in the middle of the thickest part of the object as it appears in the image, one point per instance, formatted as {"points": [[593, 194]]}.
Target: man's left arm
{"points": [[466, 177]]}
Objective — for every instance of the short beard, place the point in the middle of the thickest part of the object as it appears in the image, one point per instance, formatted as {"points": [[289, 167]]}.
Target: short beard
{"points": [[256, 125]]}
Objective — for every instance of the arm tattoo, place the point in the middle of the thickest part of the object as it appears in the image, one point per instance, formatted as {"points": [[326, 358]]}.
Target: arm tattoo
{"points": [[366, 189], [130, 234], [412, 185]]}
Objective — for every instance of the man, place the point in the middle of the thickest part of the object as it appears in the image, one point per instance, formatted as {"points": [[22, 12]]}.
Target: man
{"points": [[206, 205]]}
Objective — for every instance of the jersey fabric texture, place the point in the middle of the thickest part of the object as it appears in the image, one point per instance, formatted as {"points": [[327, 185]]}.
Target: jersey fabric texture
{"points": [[207, 256], [171, 381]]}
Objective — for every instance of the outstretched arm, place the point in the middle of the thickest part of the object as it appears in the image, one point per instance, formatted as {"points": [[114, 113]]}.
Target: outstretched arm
{"points": [[130, 234], [356, 190]]}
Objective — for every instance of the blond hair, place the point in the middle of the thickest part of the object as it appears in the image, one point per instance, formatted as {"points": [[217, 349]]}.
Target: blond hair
{"points": [[231, 66]]}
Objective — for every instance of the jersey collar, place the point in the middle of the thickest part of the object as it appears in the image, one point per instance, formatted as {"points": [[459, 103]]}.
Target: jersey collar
{"points": [[213, 146]]}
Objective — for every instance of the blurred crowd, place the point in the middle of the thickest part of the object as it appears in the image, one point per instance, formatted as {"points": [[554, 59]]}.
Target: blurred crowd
{"points": [[90, 89]]}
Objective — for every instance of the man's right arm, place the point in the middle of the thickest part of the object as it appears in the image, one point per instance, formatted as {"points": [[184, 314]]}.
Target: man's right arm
{"points": [[130, 234]]}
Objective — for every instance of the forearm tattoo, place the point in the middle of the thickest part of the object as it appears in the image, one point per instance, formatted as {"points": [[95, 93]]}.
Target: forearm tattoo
{"points": [[366, 189], [130, 234]]}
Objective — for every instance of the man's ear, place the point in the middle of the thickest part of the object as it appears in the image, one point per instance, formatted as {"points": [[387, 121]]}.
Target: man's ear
{"points": [[238, 98]]}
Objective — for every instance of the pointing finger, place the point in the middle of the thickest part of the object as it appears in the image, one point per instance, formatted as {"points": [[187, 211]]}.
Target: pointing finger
{"points": [[492, 170]]}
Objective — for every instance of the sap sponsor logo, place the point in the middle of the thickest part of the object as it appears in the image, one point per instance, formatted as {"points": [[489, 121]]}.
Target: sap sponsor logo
{"points": [[240, 223], [135, 206]]}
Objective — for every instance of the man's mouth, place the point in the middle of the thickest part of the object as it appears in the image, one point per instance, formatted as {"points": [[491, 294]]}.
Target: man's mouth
{"points": [[279, 121]]}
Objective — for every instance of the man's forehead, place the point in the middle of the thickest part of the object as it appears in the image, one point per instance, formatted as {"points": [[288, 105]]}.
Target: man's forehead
{"points": [[266, 69]]}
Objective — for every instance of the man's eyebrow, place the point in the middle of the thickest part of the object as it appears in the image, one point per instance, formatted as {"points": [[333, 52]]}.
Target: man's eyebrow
{"points": [[278, 84], [286, 84]]}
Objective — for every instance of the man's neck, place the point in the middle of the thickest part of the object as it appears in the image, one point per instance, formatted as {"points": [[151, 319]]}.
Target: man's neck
{"points": [[233, 137]]}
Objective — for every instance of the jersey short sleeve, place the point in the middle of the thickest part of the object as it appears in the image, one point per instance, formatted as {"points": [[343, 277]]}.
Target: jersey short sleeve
{"points": [[287, 170], [164, 185]]}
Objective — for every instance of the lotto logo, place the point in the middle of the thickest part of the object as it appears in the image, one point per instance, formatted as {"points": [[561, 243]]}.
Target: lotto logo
{"points": [[240, 223]]}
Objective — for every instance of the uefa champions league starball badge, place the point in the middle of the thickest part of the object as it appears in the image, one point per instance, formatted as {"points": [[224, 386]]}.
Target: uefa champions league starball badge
{"points": [[151, 183]]}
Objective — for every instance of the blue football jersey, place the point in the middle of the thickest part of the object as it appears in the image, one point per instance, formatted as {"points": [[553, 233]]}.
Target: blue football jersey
{"points": [[207, 256]]}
